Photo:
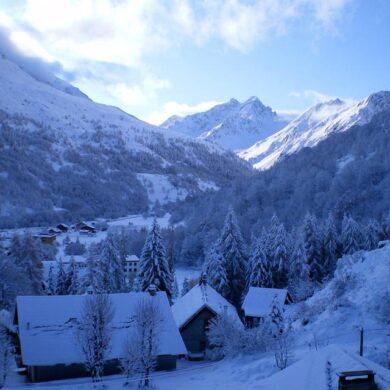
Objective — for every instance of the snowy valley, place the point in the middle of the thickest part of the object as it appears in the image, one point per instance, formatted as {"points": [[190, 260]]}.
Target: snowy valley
{"points": [[234, 248]]}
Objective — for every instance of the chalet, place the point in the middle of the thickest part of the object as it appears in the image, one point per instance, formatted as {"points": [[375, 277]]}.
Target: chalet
{"points": [[83, 227], [45, 238], [46, 330], [54, 230], [258, 303], [131, 266], [193, 312], [63, 227]]}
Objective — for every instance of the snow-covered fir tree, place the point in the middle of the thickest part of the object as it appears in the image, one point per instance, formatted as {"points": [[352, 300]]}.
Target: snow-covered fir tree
{"points": [[51, 281], [92, 279], [153, 265], [61, 287], [232, 247], [329, 246], [185, 287], [259, 268], [175, 288], [372, 235], [351, 236], [299, 284], [25, 254], [215, 269], [113, 277], [312, 246], [278, 253], [72, 278]]}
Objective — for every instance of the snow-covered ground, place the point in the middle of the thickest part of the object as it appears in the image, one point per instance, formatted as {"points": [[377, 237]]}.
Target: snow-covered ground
{"points": [[312, 370]]}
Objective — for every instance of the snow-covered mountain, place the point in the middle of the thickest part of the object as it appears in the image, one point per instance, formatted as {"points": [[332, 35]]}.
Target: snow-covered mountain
{"points": [[233, 125], [63, 153], [313, 126]]}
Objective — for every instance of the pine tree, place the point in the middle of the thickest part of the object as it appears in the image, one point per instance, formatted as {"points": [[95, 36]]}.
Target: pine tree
{"points": [[26, 255], [185, 287], [51, 282], [386, 227], [232, 247], [372, 235], [329, 244], [215, 269], [351, 236], [278, 253], [92, 281], [313, 249], [153, 266], [112, 268], [175, 289], [299, 280], [259, 268], [72, 278], [61, 279]]}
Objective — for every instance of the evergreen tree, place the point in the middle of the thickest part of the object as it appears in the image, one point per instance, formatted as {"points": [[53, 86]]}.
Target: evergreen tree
{"points": [[299, 280], [329, 244], [386, 227], [92, 281], [113, 277], [232, 247], [313, 249], [175, 289], [372, 235], [72, 278], [259, 268], [61, 279], [278, 253], [351, 236], [154, 267], [215, 269], [51, 282], [185, 287], [26, 255]]}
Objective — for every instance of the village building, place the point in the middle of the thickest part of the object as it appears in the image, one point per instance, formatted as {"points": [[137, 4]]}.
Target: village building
{"points": [[46, 327], [84, 227], [63, 227], [259, 301], [193, 313], [45, 238], [130, 266]]}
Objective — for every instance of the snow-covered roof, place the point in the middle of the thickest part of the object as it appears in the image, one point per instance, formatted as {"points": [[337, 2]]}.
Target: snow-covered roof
{"points": [[132, 258], [199, 297], [258, 301], [318, 370], [47, 327]]}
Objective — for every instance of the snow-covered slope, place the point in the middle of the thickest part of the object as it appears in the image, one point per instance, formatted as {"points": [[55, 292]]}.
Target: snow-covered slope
{"points": [[358, 296], [62, 151], [233, 125], [314, 125]]}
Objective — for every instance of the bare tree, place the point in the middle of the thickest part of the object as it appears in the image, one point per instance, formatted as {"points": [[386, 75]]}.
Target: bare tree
{"points": [[283, 350], [5, 355], [94, 334], [141, 349]]}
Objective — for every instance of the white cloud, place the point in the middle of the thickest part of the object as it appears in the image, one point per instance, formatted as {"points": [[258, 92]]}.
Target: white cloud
{"points": [[139, 94], [180, 109], [312, 95], [81, 34]]}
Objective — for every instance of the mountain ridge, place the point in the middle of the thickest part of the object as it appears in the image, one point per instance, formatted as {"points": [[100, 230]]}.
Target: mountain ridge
{"points": [[233, 125]]}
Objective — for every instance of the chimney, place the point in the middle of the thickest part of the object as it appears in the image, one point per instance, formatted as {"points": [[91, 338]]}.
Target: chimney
{"points": [[152, 289], [203, 279]]}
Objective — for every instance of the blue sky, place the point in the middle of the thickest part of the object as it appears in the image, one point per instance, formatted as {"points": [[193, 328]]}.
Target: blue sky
{"points": [[157, 58]]}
